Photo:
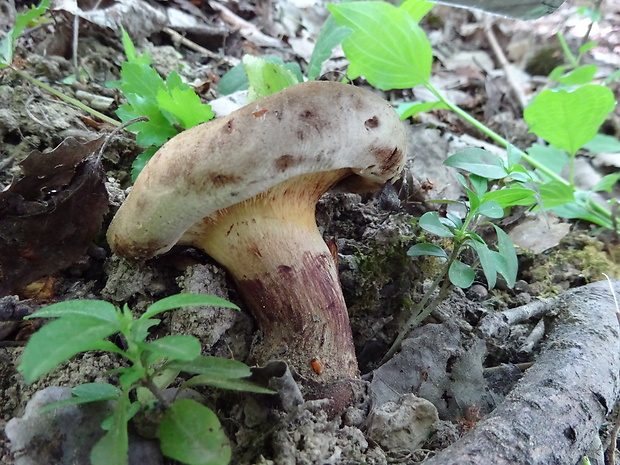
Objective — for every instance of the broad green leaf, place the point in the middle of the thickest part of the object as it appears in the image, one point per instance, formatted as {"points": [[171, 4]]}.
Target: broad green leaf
{"points": [[576, 77], [113, 448], [331, 35], [510, 264], [387, 46], [236, 79], [510, 196], [59, 340], [606, 183], [191, 433], [183, 103], [215, 367], [84, 393], [461, 275], [569, 119], [236, 384], [96, 391], [97, 309], [426, 249], [487, 260], [156, 131], [408, 109], [550, 157], [491, 209], [454, 220], [175, 347], [7, 44], [266, 78], [478, 161], [140, 79], [430, 222], [185, 300], [131, 375], [575, 211], [602, 143], [417, 9], [554, 193], [479, 183], [140, 328]]}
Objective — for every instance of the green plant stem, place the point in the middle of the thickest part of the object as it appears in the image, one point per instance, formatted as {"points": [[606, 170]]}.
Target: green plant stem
{"points": [[422, 310], [595, 207], [567, 51], [66, 98]]}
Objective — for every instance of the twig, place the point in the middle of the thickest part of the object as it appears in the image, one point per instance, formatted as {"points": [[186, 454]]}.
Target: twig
{"points": [[506, 66], [597, 6], [113, 134], [248, 30], [178, 38]]}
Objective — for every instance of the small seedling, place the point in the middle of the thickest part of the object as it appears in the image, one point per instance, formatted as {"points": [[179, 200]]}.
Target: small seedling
{"points": [[188, 431], [484, 170]]}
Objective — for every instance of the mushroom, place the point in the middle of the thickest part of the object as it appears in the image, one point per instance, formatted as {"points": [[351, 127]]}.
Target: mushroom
{"points": [[244, 189]]}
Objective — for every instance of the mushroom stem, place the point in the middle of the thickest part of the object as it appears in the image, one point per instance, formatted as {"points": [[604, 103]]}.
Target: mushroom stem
{"points": [[286, 275]]}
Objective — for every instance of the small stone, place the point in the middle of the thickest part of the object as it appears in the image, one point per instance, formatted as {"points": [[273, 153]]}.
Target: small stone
{"points": [[403, 425]]}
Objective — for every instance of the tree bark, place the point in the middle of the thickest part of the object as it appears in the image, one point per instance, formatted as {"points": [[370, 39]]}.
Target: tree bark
{"points": [[555, 411]]}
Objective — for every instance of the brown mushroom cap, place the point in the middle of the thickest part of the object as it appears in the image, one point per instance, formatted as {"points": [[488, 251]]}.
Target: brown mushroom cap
{"points": [[307, 128]]}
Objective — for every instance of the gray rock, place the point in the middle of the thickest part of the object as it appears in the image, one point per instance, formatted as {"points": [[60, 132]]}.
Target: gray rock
{"points": [[65, 436]]}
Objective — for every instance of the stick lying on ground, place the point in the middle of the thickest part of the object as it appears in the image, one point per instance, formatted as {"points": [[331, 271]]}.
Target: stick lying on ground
{"points": [[555, 411]]}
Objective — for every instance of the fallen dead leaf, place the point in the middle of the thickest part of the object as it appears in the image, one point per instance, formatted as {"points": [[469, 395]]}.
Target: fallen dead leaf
{"points": [[49, 217]]}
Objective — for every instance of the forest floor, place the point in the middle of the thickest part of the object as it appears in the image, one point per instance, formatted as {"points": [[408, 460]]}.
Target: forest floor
{"points": [[379, 280]]}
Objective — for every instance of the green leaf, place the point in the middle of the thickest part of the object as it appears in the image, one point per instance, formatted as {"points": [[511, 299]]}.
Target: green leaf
{"points": [[426, 249], [240, 384], [550, 157], [387, 46], [7, 44], [175, 347], [156, 131], [575, 77], [607, 183], [185, 105], [130, 50], [479, 183], [554, 193], [602, 143], [430, 222], [461, 275], [97, 309], [478, 161], [236, 79], [141, 160], [185, 300], [491, 209], [331, 35], [191, 433], [488, 262], [573, 210], [84, 393], [113, 448], [266, 78], [508, 197], [61, 339], [417, 9], [215, 367], [408, 109], [569, 119], [509, 265]]}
